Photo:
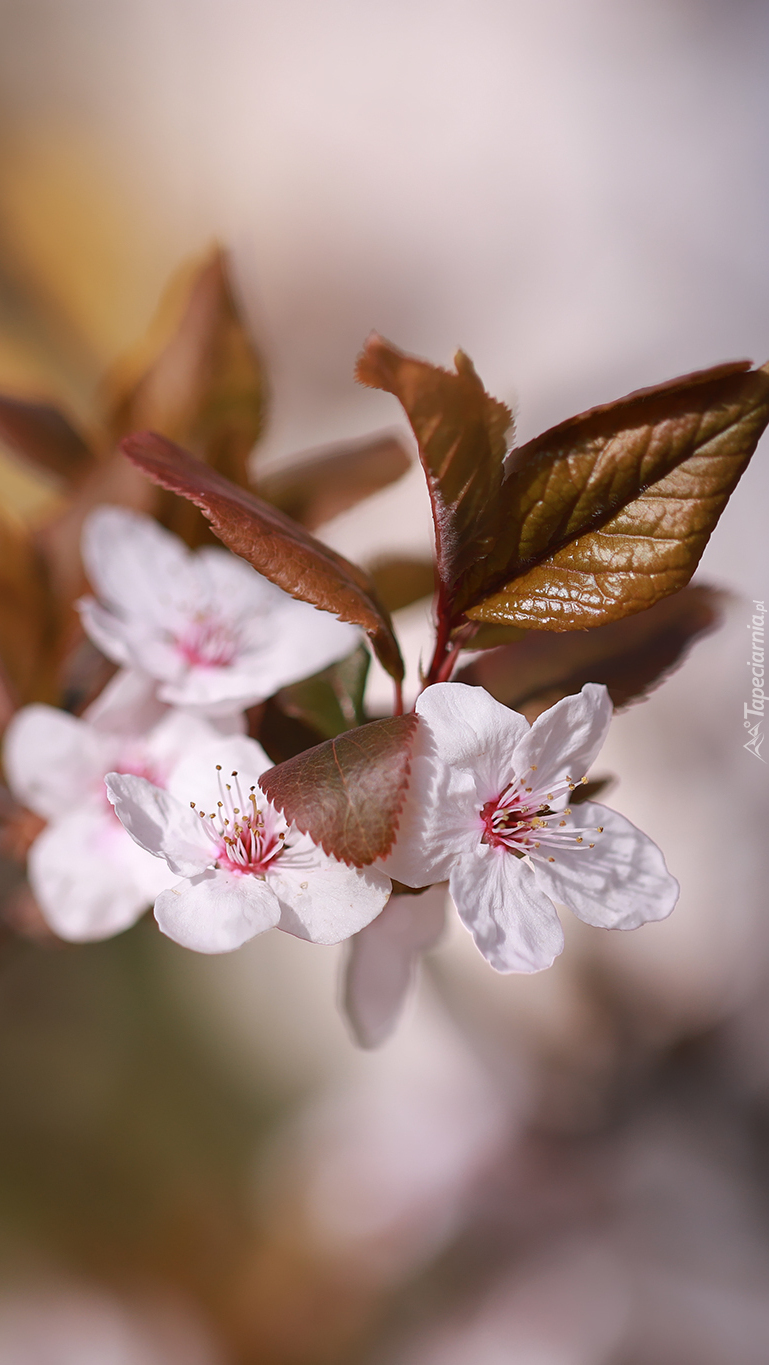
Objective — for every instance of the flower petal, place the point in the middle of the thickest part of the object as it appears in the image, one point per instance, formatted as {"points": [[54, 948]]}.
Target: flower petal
{"points": [[322, 899], [195, 776], [133, 564], [216, 912], [89, 879], [159, 823], [105, 630], [564, 741], [470, 729], [619, 884], [127, 705], [382, 962], [513, 923], [52, 760]]}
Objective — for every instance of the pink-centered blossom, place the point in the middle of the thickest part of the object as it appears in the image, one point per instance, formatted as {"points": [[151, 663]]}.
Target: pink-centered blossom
{"points": [[89, 878], [210, 630], [239, 867], [491, 806]]}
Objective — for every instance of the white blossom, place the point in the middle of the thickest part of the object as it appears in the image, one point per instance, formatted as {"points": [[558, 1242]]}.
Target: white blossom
{"points": [[243, 869], [383, 960], [88, 877], [207, 627], [490, 807]]}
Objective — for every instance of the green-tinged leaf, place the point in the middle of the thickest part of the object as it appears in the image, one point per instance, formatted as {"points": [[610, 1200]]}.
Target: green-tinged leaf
{"points": [[284, 552], [40, 433], [330, 701], [630, 657], [280, 735], [347, 794], [203, 387], [400, 582], [315, 489], [462, 438], [608, 513]]}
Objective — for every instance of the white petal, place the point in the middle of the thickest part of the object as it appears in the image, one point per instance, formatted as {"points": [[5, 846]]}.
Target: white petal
{"points": [[382, 961], [216, 690], [133, 564], [195, 777], [303, 640], [472, 730], [227, 578], [619, 884], [564, 741], [175, 736], [105, 630], [160, 823], [127, 704], [216, 911], [513, 923], [322, 899], [90, 880], [52, 760]]}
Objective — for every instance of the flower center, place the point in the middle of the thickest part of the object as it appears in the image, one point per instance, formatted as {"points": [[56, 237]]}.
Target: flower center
{"points": [[248, 840], [522, 821], [208, 642]]}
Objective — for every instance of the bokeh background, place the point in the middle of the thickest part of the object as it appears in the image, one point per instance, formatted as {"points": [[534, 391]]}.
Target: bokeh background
{"points": [[197, 1167]]}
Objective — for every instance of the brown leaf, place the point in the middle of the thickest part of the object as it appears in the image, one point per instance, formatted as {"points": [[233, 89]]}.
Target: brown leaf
{"points": [[315, 489], [26, 624], [284, 552], [462, 438], [631, 656], [40, 433], [399, 582], [347, 793], [610, 512], [203, 388]]}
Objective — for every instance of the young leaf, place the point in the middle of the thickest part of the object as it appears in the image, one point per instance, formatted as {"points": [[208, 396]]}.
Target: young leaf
{"points": [[204, 388], [347, 793], [40, 433], [462, 438], [631, 656], [610, 512], [314, 490], [282, 551]]}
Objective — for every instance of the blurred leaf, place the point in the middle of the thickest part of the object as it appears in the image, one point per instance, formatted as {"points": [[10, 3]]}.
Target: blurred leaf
{"points": [[205, 389], [26, 622], [462, 438], [312, 491], [42, 434], [494, 634], [284, 552], [630, 656], [347, 793], [399, 582], [330, 701], [609, 512]]}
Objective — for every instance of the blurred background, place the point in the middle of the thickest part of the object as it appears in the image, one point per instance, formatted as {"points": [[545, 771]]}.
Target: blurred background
{"points": [[197, 1167]]}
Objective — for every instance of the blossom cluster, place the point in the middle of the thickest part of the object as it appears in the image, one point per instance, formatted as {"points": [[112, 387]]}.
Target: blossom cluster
{"points": [[152, 795]]}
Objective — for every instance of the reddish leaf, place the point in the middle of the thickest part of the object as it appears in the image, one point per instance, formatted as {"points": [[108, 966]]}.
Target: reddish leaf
{"points": [[347, 793], [610, 512], [203, 387], [462, 438], [315, 489], [631, 656], [282, 551], [42, 434]]}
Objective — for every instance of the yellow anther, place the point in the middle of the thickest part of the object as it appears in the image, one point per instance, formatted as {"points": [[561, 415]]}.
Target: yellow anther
{"points": [[236, 810], [533, 767], [218, 767], [591, 845], [583, 779], [579, 839], [551, 860], [234, 773], [572, 785], [600, 829], [192, 803], [528, 789], [562, 823], [220, 804]]}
